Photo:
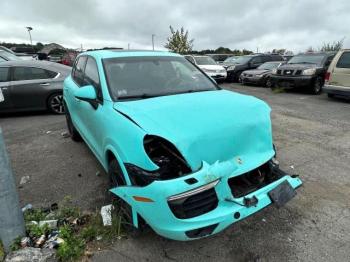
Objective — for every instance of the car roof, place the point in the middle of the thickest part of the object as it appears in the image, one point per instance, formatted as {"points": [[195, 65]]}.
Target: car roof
{"points": [[102, 54]]}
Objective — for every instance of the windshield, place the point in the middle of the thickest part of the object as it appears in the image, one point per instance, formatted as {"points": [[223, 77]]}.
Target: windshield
{"points": [[8, 56], [204, 60], [306, 59], [231, 59], [242, 59], [143, 77], [269, 65]]}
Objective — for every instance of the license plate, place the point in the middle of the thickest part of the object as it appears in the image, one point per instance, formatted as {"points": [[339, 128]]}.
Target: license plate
{"points": [[282, 194], [2, 99]]}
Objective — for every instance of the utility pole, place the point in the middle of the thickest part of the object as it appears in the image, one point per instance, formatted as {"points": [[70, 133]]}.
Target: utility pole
{"points": [[153, 35], [11, 216], [30, 36]]}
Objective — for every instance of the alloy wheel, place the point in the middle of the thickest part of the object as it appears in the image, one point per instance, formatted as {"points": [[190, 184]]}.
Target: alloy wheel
{"points": [[56, 104]]}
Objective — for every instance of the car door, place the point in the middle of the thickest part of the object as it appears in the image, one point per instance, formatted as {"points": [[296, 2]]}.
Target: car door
{"points": [[28, 87], [5, 98], [340, 75], [91, 116]]}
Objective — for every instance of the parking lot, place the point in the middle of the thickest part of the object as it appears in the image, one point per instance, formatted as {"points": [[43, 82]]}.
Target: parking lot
{"points": [[312, 135]]}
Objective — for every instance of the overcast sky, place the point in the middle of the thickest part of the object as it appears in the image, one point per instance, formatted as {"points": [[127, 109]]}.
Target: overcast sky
{"points": [[249, 24]]}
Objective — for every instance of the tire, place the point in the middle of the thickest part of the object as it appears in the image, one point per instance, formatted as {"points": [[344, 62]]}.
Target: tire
{"points": [[122, 208], [73, 132], [317, 86], [55, 103], [268, 83]]}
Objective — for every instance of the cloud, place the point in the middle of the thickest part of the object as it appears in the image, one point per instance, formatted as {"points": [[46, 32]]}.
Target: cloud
{"points": [[265, 25]]}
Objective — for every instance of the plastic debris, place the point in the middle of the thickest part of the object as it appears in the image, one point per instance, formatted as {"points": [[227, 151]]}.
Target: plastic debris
{"points": [[25, 242], [51, 223], [48, 132], [263, 220], [24, 180], [98, 238], [40, 241], [27, 207], [106, 213], [292, 167]]}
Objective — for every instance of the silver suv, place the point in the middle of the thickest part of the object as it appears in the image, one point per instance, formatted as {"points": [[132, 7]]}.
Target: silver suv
{"points": [[337, 79]]}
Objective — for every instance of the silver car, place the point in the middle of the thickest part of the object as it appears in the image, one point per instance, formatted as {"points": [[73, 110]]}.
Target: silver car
{"points": [[32, 85]]}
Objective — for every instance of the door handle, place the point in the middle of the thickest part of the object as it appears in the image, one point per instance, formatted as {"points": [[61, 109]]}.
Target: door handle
{"points": [[44, 84]]}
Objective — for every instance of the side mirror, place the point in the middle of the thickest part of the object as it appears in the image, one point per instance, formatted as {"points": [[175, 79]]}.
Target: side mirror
{"points": [[86, 93]]}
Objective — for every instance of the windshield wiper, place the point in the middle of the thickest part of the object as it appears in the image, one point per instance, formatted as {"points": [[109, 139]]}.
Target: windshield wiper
{"points": [[142, 96]]}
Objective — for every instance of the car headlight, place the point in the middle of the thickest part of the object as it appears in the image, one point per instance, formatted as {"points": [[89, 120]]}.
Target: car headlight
{"points": [[309, 72], [274, 71], [171, 164], [230, 68]]}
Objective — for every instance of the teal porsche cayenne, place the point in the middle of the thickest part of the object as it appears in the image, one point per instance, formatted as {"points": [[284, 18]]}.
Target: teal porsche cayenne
{"points": [[186, 157]]}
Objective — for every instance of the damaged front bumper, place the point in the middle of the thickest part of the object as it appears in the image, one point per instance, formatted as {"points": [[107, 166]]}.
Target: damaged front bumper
{"points": [[209, 200]]}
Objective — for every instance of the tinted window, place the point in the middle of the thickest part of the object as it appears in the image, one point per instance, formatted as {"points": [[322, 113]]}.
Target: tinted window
{"points": [[344, 60], [51, 74], [78, 70], [4, 72], [136, 77], [29, 73], [91, 73], [204, 60], [306, 59], [257, 60]]}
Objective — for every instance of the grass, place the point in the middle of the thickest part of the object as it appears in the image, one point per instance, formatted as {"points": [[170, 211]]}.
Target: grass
{"points": [[76, 236], [278, 90], [2, 252]]}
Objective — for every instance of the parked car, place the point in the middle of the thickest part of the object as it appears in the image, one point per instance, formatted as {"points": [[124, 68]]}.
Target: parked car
{"points": [[183, 156], [209, 66], [69, 57], [303, 71], [337, 79], [8, 56], [219, 58], [242, 63], [32, 85], [229, 61], [261, 75]]}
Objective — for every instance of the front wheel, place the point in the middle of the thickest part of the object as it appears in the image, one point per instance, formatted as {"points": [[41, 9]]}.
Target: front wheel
{"points": [[317, 86], [74, 134], [55, 103], [268, 83], [122, 208]]}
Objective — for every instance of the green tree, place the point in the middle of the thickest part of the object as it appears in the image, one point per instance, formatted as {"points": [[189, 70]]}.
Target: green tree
{"points": [[179, 41]]}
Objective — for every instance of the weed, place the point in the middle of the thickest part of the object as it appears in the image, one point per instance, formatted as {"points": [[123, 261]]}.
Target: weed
{"points": [[34, 215], [37, 231], [73, 246], [16, 244], [277, 90], [2, 252], [66, 209]]}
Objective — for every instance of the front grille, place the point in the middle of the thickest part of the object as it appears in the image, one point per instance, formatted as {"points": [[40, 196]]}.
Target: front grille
{"points": [[195, 205], [288, 72]]}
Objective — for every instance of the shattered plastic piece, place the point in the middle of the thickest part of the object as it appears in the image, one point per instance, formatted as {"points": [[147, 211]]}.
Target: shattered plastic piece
{"points": [[27, 207], [263, 220], [98, 238], [51, 223], [40, 241], [25, 242], [24, 180], [30, 254], [65, 134], [48, 132], [106, 213], [32, 223], [292, 167]]}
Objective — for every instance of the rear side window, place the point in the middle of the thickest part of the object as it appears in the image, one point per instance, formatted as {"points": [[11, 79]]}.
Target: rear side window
{"points": [[4, 74], [51, 74], [78, 70], [344, 60], [29, 73], [257, 60]]}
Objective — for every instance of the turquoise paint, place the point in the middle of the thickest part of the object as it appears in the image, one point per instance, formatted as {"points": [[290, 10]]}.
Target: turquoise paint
{"points": [[211, 130]]}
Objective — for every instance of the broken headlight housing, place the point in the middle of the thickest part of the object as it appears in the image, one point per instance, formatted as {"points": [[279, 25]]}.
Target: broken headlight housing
{"points": [[165, 155]]}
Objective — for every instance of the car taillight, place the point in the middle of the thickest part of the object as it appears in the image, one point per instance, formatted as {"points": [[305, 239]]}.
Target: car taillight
{"points": [[327, 76]]}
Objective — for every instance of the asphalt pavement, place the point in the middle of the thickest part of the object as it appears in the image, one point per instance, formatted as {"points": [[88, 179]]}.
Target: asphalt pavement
{"points": [[312, 135]]}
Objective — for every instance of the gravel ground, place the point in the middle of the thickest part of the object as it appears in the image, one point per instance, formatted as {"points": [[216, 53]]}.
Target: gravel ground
{"points": [[312, 135]]}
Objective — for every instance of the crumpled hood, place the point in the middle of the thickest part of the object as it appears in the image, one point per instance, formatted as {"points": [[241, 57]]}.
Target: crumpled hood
{"points": [[207, 126]]}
